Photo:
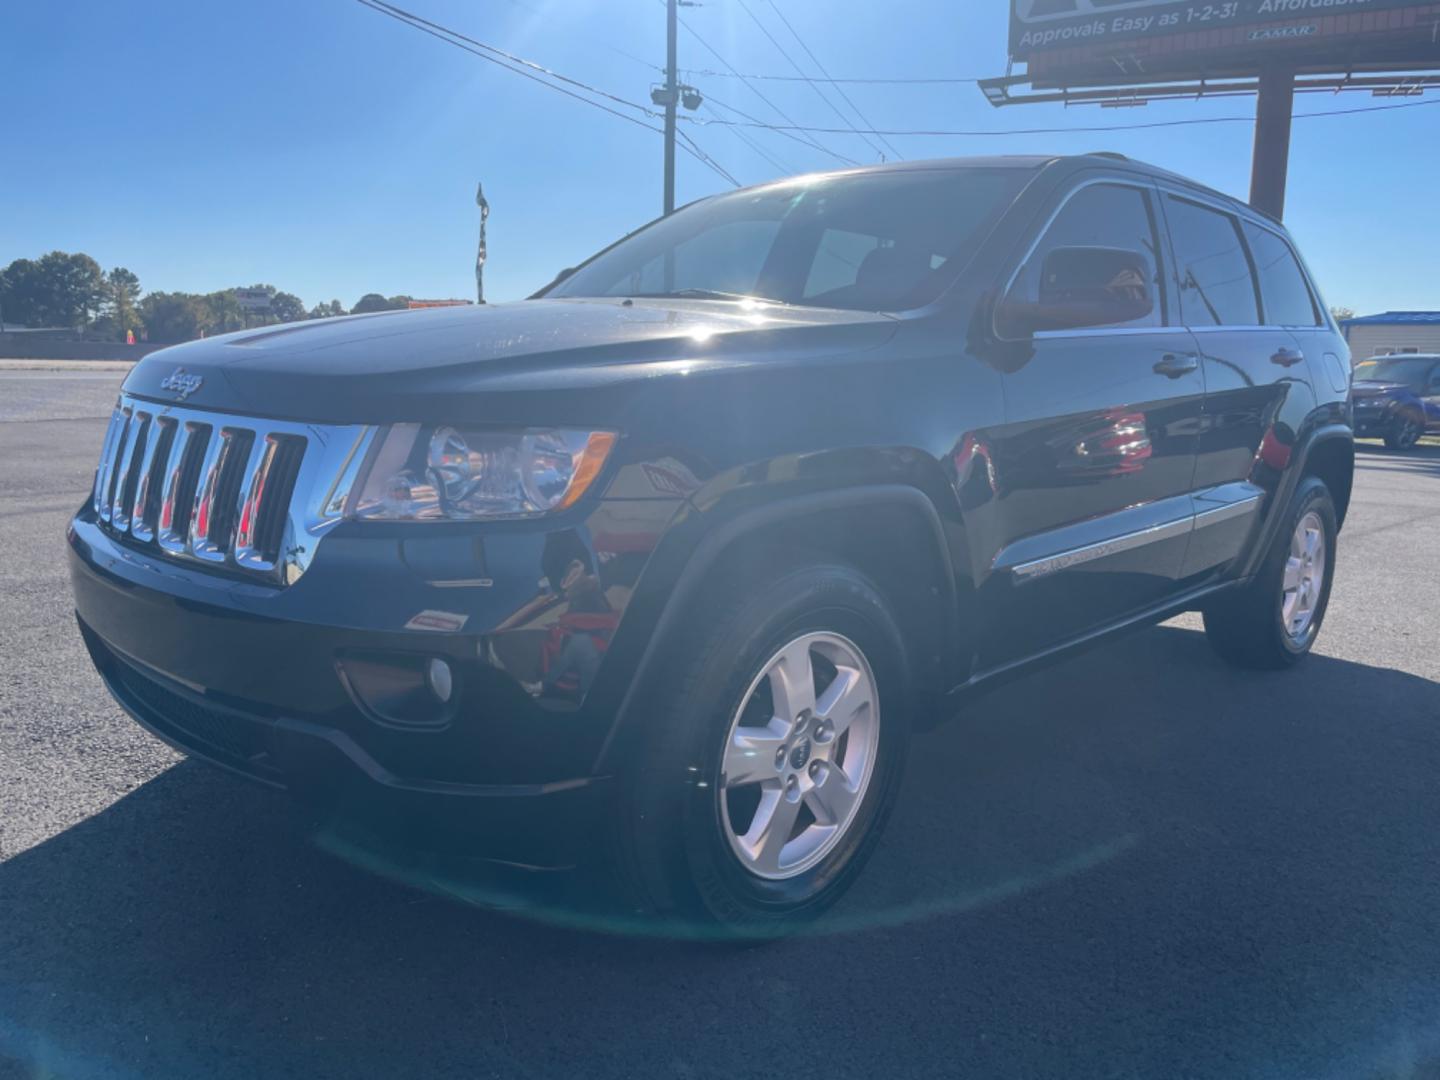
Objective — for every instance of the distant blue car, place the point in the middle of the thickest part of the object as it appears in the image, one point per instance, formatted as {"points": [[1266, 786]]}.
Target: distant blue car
{"points": [[1397, 398]]}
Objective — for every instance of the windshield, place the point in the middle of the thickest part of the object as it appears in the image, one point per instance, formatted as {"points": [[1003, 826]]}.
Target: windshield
{"points": [[889, 241], [1411, 371]]}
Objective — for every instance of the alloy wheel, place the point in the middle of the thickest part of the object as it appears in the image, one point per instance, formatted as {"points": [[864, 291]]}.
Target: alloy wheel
{"points": [[799, 755], [1304, 580], [1409, 433]]}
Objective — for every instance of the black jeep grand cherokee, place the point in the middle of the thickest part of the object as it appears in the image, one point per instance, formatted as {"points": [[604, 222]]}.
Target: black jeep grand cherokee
{"points": [[668, 561]]}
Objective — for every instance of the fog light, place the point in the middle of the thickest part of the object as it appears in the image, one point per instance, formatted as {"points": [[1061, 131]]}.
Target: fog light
{"points": [[400, 690], [442, 684]]}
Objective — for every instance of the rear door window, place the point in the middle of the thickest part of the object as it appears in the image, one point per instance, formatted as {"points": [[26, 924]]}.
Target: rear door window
{"points": [[1217, 285], [1283, 290]]}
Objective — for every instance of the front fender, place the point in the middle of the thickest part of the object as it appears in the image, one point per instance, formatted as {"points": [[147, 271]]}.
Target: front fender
{"points": [[705, 532]]}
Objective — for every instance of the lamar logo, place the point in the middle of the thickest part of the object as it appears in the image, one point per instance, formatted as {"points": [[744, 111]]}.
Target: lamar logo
{"points": [[181, 382]]}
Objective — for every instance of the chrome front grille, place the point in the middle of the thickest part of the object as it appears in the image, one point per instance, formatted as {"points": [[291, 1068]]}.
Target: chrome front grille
{"points": [[226, 491]]}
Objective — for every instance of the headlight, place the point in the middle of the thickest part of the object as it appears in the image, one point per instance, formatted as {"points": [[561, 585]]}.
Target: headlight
{"points": [[455, 474]]}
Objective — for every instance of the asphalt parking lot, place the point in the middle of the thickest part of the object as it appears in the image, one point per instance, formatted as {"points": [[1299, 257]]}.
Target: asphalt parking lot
{"points": [[1138, 864]]}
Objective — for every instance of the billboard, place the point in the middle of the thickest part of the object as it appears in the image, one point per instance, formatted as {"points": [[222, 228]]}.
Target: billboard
{"points": [[1115, 40], [257, 300]]}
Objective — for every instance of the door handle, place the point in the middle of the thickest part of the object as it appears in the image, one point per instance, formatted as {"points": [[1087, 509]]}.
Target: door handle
{"points": [[1177, 365], [1287, 357]]}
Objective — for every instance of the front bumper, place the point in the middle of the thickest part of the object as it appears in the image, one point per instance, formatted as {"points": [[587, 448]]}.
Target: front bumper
{"points": [[194, 660], [1373, 423], [546, 826]]}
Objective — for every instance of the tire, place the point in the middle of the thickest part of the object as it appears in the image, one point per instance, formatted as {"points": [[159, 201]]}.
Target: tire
{"points": [[1254, 626], [1404, 433], [689, 798]]}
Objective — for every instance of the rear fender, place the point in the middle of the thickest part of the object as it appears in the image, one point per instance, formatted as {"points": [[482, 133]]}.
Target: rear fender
{"points": [[1323, 442]]}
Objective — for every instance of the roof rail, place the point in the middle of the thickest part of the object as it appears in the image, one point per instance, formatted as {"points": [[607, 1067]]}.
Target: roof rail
{"points": [[1108, 154]]}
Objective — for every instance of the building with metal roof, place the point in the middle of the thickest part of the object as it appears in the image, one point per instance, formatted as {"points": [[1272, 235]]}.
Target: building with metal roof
{"points": [[1393, 332]]}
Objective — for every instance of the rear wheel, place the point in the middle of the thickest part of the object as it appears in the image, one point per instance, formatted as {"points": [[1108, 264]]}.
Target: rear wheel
{"points": [[773, 757], [1273, 621], [1405, 432]]}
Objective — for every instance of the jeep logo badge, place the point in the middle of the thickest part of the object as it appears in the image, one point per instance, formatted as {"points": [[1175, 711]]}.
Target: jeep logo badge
{"points": [[181, 383]]}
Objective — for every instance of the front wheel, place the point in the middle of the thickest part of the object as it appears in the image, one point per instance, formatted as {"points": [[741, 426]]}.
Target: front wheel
{"points": [[1273, 621], [1404, 433], [773, 757]]}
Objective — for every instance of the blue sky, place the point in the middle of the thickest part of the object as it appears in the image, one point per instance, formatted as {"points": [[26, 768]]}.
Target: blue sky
{"points": [[321, 147]]}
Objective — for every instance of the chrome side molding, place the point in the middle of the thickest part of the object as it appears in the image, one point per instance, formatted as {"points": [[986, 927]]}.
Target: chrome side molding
{"points": [[1037, 557]]}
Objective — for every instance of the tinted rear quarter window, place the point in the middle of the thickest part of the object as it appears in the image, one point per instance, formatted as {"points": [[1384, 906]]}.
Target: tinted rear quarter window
{"points": [[1283, 289], [1217, 287]]}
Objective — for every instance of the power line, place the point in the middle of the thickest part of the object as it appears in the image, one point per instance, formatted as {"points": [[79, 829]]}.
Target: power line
{"points": [[815, 144], [1057, 130], [604, 44], [756, 122], [491, 54], [849, 82], [420, 22], [715, 166], [813, 85], [838, 88], [752, 143]]}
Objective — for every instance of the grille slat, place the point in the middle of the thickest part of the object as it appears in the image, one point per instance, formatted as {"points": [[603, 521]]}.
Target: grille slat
{"points": [[128, 480], [191, 443], [203, 544], [145, 509], [252, 496], [236, 466], [223, 491], [284, 470], [113, 457], [102, 470]]}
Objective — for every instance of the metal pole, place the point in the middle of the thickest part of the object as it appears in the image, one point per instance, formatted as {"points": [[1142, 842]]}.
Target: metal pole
{"points": [[1274, 110], [672, 95]]}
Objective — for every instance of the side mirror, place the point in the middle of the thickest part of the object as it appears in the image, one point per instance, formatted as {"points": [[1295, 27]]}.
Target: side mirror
{"points": [[1081, 287]]}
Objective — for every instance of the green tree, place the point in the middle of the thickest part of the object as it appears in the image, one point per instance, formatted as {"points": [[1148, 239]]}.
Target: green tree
{"points": [[122, 296], [225, 312], [1342, 313], [18, 294], [287, 307], [174, 316], [323, 310], [371, 301], [75, 287], [58, 289]]}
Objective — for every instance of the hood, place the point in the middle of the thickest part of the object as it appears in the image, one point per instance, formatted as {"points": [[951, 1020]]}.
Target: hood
{"points": [[410, 365]]}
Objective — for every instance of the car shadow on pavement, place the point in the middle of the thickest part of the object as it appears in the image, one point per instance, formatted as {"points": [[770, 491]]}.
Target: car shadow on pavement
{"points": [[1140, 862]]}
